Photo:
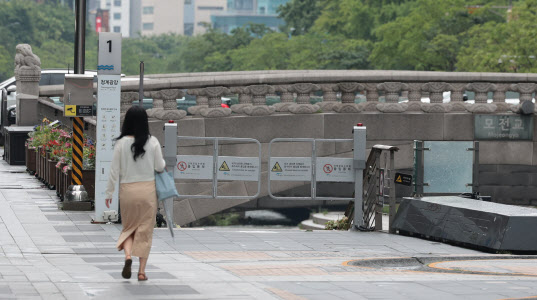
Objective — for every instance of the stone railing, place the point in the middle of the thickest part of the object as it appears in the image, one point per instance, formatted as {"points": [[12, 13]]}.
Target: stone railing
{"points": [[338, 90]]}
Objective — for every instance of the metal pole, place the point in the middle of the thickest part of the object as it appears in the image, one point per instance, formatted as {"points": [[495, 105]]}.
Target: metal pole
{"points": [[170, 145], [80, 36], [78, 122], [141, 89], [392, 191], [475, 183], [359, 135]]}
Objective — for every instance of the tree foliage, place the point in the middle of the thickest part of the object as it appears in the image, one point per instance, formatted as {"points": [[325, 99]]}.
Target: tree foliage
{"points": [[447, 35]]}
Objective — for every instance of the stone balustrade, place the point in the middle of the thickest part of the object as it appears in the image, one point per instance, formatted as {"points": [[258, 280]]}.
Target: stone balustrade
{"points": [[379, 91]]}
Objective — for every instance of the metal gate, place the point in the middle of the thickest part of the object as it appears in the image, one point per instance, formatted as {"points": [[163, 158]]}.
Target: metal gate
{"points": [[211, 167], [322, 169]]}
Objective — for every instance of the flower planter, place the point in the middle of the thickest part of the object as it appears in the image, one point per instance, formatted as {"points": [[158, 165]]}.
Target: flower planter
{"points": [[30, 160], [59, 183], [38, 163], [51, 165]]}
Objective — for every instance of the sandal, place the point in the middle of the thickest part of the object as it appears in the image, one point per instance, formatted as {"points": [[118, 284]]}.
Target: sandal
{"points": [[127, 269], [144, 277]]}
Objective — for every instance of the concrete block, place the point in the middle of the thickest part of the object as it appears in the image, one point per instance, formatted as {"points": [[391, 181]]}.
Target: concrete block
{"points": [[182, 212], [533, 180], [344, 147], [266, 128], [206, 207], [515, 192], [156, 129], [195, 150], [386, 126], [458, 127], [27, 110], [534, 157], [535, 128], [488, 168], [516, 179], [508, 152], [191, 126], [509, 169], [194, 187]]}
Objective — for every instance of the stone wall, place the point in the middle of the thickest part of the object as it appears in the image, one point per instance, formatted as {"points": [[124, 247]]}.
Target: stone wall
{"points": [[509, 184]]}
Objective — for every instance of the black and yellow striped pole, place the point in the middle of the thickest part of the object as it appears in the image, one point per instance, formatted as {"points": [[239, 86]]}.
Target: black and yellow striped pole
{"points": [[78, 150]]}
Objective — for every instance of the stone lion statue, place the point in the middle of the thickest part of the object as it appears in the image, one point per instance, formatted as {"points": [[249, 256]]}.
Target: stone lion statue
{"points": [[26, 60]]}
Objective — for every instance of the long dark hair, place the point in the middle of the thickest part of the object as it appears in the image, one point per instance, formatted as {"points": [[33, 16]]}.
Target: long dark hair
{"points": [[136, 124]]}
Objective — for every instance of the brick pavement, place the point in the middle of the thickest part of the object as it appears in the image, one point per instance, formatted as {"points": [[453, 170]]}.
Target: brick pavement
{"points": [[46, 253]]}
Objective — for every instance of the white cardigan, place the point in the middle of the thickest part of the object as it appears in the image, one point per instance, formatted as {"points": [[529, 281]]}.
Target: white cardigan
{"points": [[126, 170]]}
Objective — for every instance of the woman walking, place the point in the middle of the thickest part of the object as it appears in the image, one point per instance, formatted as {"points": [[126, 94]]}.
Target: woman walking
{"points": [[137, 155]]}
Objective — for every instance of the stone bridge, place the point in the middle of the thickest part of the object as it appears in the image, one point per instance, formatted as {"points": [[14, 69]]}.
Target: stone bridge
{"points": [[326, 104]]}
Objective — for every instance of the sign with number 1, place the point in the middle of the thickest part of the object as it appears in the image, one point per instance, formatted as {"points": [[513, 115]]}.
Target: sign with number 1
{"points": [[109, 54]]}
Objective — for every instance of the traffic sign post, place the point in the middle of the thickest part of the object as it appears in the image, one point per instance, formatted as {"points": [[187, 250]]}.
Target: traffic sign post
{"points": [[108, 121]]}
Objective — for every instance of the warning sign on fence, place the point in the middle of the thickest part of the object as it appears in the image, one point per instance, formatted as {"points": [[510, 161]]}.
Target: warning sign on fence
{"points": [[290, 168], [238, 168]]}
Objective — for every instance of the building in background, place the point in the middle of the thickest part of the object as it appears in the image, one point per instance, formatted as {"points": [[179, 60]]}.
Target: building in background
{"points": [[162, 16], [243, 12], [203, 12]]}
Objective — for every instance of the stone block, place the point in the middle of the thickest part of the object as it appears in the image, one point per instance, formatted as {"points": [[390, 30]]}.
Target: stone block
{"points": [[488, 168], [27, 110], [508, 152], [515, 179], [514, 193], [534, 158], [458, 127], [194, 187], [77, 206], [516, 169], [191, 126], [535, 128], [266, 128], [182, 212], [156, 129], [195, 150], [344, 147], [533, 180], [206, 207], [386, 126]]}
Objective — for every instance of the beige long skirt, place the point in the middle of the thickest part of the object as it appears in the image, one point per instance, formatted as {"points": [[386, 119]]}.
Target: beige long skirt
{"points": [[138, 205]]}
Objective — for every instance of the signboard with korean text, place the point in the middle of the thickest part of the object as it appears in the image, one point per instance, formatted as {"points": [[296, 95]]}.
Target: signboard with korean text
{"points": [[238, 168], [290, 168], [108, 128], [193, 167], [334, 169], [503, 127], [108, 118]]}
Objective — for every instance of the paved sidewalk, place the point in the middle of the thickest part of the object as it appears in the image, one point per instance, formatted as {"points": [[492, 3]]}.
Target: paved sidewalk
{"points": [[46, 253]]}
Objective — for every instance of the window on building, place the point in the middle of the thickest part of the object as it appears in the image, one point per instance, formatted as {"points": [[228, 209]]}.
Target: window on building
{"points": [[117, 16], [210, 8], [117, 2], [148, 10], [117, 28], [262, 10], [147, 26], [187, 2]]}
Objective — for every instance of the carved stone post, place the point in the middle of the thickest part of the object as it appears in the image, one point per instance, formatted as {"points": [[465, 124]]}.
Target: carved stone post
{"points": [[27, 70], [498, 97], [371, 96], [287, 98], [414, 96], [348, 94], [215, 109], [27, 74], [202, 101], [303, 104], [157, 102], [245, 99], [457, 96], [169, 111], [481, 90], [329, 97], [126, 102], [259, 100], [525, 90], [391, 94]]}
